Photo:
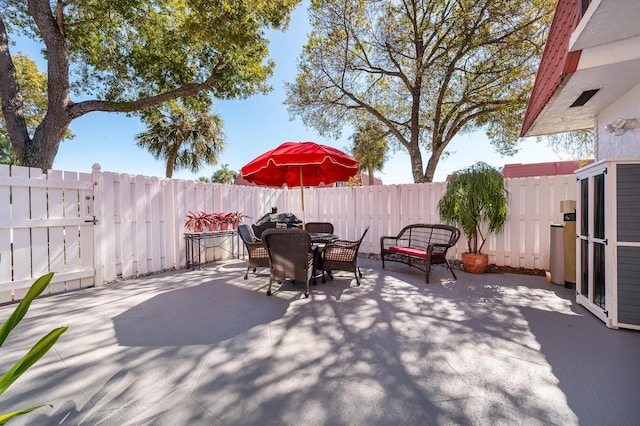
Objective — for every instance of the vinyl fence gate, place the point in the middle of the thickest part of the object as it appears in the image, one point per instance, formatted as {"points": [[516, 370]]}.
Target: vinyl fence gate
{"points": [[46, 225]]}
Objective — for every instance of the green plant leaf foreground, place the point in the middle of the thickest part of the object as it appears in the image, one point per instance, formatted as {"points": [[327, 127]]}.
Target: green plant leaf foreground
{"points": [[36, 289], [36, 352], [4, 418]]}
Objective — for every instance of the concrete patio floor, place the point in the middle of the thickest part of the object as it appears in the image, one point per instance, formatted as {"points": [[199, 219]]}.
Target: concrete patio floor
{"points": [[207, 347]]}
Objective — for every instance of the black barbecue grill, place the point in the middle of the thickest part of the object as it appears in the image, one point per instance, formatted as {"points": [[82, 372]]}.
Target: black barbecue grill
{"points": [[276, 220]]}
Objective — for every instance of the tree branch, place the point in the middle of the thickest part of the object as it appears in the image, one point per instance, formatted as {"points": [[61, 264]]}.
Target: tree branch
{"points": [[190, 89]]}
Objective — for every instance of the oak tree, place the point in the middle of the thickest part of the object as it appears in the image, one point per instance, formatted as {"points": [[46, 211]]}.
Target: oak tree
{"points": [[129, 55], [426, 70]]}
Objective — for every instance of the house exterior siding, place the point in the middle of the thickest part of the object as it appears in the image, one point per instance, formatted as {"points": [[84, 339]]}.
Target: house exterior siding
{"points": [[627, 145]]}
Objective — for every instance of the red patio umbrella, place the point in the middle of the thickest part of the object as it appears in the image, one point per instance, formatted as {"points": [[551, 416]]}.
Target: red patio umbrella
{"points": [[300, 164]]}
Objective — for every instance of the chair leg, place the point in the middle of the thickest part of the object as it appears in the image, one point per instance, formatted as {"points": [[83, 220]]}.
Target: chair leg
{"points": [[451, 269], [269, 289], [246, 274]]}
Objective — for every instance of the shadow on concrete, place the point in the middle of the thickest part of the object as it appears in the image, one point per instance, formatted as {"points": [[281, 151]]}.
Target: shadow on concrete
{"points": [[200, 315], [207, 347], [598, 369]]}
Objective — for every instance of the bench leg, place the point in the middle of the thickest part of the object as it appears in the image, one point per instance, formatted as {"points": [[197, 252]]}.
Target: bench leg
{"points": [[427, 267], [451, 269]]}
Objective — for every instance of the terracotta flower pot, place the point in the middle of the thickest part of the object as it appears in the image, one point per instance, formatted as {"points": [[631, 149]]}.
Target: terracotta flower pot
{"points": [[475, 263], [224, 226]]}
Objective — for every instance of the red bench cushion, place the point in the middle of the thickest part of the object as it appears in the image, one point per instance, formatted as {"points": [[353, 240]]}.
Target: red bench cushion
{"points": [[415, 252], [411, 251]]}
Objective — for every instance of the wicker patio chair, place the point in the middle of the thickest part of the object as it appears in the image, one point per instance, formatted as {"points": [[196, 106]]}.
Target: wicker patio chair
{"points": [[319, 227], [258, 256], [342, 255], [291, 256]]}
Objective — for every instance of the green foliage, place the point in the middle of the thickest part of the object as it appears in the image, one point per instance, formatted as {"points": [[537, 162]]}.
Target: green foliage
{"points": [[34, 91], [7, 156], [33, 85], [475, 198], [578, 145], [36, 352], [224, 175], [124, 50], [370, 147], [130, 55], [181, 136], [424, 70]]}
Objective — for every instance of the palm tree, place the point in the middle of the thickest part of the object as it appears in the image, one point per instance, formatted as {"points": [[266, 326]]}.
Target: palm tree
{"points": [[370, 148], [184, 138], [224, 175]]}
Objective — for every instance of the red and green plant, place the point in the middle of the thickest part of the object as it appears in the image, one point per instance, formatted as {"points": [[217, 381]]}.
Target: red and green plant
{"points": [[237, 217], [196, 222]]}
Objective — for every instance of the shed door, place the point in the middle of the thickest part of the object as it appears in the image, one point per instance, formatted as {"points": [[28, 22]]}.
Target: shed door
{"points": [[592, 240]]}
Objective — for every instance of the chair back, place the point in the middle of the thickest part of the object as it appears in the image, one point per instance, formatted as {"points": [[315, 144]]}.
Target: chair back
{"points": [[246, 233], [319, 227], [289, 254], [362, 236]]}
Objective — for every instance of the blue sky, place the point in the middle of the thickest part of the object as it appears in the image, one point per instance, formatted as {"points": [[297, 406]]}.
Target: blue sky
{"points": [[253, 126]]}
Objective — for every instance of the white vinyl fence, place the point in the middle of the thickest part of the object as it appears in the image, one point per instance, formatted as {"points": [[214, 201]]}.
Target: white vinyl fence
{"points": [[93, 228]]}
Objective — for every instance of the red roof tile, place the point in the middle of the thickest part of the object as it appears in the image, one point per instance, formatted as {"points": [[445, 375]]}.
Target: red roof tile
{"points": [[557, 62], [555, 168]]}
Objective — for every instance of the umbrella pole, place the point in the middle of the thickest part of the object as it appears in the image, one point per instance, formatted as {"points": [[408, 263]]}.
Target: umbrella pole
{"points": [[302, 195]]}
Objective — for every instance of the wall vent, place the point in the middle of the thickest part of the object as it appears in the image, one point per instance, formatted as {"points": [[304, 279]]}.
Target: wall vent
{"points": [[584, 98]]}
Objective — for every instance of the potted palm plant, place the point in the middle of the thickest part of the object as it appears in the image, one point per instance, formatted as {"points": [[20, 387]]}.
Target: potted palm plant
{"points": [[475, 201]]}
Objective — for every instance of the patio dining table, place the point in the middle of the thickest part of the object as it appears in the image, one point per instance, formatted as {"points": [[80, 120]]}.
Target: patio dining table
{"points": [[321, 239]]}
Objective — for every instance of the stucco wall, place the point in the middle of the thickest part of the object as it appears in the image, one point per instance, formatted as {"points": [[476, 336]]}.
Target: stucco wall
{"points": [[624, 146]]}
